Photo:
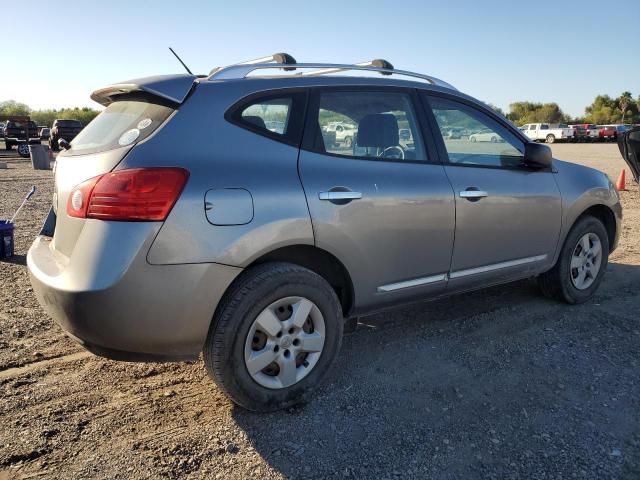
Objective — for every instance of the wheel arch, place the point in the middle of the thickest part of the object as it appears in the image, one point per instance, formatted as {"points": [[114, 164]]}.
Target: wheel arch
{"points": [[319, 261], [608, 219]]}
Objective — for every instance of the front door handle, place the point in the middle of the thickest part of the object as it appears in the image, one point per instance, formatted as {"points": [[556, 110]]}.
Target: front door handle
{"points": [[333, 195], [473, 194]]}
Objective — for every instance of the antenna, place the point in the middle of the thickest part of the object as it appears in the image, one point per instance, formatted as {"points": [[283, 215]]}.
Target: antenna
{"points": [[180, 60]]}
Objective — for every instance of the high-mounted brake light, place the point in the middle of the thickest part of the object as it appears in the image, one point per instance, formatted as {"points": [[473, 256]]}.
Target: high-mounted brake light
{"points": [[142, 194]]}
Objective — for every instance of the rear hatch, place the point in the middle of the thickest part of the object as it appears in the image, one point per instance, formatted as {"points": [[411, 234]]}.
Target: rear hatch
{"points": [[629, 144], [97, 150]]}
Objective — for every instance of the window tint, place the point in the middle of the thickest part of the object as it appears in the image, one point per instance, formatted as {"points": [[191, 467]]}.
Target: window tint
{"points": [[373, 125], [544, 127], [483, 140], [271, 115]]}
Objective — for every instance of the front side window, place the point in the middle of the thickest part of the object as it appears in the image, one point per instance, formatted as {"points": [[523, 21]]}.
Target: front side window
{"points": [[367, 124], [485, 143]]}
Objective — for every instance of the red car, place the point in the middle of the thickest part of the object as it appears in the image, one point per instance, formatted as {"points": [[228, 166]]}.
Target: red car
{"points": [[607, 133]]}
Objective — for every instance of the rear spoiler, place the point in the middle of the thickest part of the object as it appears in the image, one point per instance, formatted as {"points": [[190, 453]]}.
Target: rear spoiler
{"points": [[171, 88]]}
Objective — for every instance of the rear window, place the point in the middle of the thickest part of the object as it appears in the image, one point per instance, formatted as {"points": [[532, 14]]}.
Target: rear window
{"points": [[121, 124], [32, 125], [69, 123]]}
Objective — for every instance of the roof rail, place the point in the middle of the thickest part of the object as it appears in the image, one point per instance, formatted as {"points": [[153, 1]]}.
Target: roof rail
{"points": [[383, 67], [283, 58], [378, 62]]}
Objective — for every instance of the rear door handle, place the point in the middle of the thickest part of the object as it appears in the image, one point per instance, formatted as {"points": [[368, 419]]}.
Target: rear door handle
{"points": [[473, 194], [331, 195]]}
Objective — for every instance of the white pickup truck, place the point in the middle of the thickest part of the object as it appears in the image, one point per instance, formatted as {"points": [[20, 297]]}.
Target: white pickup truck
{"points": [[547, 132]]}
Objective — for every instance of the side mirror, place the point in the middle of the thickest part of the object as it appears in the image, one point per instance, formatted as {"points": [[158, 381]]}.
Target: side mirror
{"points": [[537, 155], [64, 144]]}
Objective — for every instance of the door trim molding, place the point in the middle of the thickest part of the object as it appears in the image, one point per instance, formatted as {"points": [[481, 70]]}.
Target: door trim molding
{"points": [[497, 266], [443, 277], [412, 283]]}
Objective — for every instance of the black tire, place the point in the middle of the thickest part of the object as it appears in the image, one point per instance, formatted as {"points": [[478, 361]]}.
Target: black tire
{"points": [[348, 141], [7, 145], [24, 152], [556, 283], [250, 294], [551, 138]]}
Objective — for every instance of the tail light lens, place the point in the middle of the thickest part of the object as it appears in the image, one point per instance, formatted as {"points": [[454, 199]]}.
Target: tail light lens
{"points": [[142, 194]]}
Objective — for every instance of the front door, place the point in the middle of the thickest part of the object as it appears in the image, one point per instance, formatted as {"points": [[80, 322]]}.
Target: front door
{"points": [[629, 144], [508, 216], [380, 204]]}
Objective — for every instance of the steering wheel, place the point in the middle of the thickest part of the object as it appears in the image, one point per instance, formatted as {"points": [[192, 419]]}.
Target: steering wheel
{"points": [[396, 148]]}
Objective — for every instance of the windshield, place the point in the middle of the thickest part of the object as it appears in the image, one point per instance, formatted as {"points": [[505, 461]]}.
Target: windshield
{"points": [[121, 124]]}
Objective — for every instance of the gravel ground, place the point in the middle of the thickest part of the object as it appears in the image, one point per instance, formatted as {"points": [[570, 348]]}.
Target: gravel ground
{"points": [[501, 383]]}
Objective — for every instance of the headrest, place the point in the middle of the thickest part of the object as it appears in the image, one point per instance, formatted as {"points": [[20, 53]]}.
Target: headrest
{"points": [[254, 119], [378, 130]]}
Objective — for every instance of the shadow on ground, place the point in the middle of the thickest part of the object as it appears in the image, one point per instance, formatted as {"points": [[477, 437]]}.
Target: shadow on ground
{"points": [[499, 383]]}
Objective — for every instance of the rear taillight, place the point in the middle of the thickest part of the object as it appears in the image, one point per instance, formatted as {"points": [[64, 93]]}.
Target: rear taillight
{"points": [[137, 194]]}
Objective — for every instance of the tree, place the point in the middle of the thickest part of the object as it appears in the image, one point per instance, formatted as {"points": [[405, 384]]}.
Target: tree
{"points": [[530, 112], [623, 102], [496, 109], [11, 107]]}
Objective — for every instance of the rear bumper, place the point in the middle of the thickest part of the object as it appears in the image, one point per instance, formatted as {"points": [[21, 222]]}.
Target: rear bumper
{"points": [[128, 309]]}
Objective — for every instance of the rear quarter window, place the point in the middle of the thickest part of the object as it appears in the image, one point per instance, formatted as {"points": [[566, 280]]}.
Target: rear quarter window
{"points": [[277, 115]]}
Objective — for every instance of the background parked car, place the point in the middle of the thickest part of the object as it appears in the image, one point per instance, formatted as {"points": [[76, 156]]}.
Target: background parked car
{"points": [[65, 129], [547, 132], [607, 133], [45, 133], [1, 130], [345, 132], [580, 134], [593, 132], [20, 131], [487, 136]]}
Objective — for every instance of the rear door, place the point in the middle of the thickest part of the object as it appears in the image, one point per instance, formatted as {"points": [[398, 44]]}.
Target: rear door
{"points": [[629, 144], [382, 205], [507, 215]]}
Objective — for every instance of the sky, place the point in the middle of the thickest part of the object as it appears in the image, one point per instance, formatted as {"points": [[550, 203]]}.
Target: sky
{"points": [[499, 51]]}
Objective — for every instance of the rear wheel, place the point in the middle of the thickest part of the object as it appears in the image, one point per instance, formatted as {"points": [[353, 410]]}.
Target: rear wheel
{"points": [[581, 264], [275, 336], [23, 150], [348, 141], [551, 138]]}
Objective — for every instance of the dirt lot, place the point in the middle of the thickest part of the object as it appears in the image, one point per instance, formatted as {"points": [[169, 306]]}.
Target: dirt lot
{"points": [[498, 384]]}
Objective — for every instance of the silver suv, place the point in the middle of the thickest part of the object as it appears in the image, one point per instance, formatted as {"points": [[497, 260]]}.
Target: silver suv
{"points": [[208, 213]]}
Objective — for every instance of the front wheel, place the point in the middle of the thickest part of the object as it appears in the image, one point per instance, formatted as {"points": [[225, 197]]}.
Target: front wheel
{"points": [[275, 336], [551, 138], [581, 264]]}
